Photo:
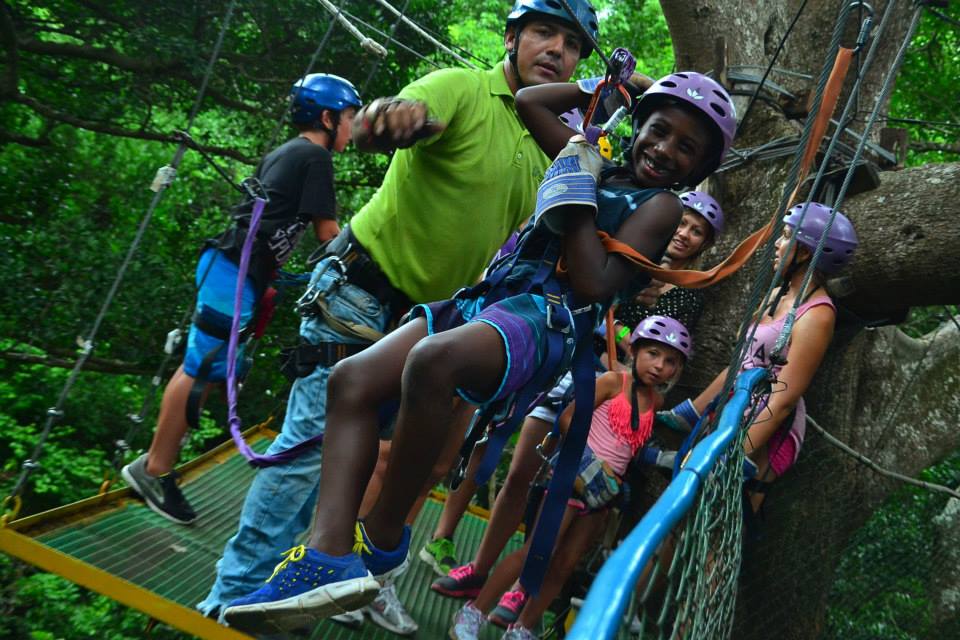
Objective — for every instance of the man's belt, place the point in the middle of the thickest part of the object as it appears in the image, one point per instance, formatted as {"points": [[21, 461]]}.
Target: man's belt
{"points": [[362, 271]]}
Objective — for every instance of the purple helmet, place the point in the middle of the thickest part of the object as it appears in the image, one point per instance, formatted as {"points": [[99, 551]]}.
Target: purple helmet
{"points": [[841, 239], [572, 119], [666, 331], [697, 90], [704, 204]]}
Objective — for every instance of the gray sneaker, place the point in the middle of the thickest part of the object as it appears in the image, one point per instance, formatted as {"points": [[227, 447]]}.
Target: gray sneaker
{"points": [[467, 622], [388, 612], [352, 619], [161, 493], [518, 632]]}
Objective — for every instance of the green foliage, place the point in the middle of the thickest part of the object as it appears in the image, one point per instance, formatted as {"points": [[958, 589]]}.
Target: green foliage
{"points": [[881, 592], [926, 87]]}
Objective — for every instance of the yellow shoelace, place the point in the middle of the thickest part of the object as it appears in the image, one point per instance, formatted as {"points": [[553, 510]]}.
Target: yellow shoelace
{"points": [[294, 554], [359, 546]]}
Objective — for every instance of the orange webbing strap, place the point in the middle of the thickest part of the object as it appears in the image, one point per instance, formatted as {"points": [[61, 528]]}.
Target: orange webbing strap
{"points": [[611, 340], [732, 263]]}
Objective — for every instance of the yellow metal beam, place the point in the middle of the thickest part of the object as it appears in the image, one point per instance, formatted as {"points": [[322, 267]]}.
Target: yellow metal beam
{"points": [[86, 575]]}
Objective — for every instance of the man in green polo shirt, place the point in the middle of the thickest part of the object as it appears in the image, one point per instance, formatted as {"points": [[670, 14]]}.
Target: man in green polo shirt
{"points": [[463, 176]]}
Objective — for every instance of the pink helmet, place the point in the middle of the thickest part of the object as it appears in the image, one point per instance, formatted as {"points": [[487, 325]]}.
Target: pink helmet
{"points": [[703, 93], [666, 331], [704, 204]]}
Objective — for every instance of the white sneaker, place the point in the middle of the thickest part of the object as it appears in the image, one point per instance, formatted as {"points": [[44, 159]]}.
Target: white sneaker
{"points": [[467, 622], [388, 612], [352, 619]]}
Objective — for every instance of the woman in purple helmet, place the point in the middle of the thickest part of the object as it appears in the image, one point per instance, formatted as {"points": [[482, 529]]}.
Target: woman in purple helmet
{"points": [[622, 423], [773, 442]]}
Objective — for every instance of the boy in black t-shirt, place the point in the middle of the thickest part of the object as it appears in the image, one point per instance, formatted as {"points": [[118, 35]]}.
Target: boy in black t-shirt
{"points": [[298, 179]]}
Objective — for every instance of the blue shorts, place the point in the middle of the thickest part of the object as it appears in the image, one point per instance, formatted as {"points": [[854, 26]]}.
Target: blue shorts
{"points": [[520, 320], [216, 286]]}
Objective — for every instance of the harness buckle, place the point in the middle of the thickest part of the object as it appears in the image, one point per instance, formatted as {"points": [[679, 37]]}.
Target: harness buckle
{"points": [[556, 319]]}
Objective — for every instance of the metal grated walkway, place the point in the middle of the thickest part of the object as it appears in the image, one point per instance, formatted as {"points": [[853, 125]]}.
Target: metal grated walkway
{"points": [[119, 536]]}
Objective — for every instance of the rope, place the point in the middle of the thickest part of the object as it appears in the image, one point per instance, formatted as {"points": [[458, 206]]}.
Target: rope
{"points": [[161, 182], [880, 100], [369, 45], [282, 118], [413, 25], [783, 40], [400, 44], [393, 31], [859, 457], [583, 30]]}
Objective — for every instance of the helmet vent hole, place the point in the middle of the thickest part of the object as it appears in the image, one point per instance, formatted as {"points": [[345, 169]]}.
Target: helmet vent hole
{"points": [[720, 110], [668, 83], [720, 95], [681, 75]]}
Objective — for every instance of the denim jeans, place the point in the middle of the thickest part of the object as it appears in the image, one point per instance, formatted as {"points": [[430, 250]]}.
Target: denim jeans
{"points": [[281, 500]]}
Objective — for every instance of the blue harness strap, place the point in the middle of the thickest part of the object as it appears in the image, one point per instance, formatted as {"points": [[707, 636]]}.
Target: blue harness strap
{"points": [[561, 485]]}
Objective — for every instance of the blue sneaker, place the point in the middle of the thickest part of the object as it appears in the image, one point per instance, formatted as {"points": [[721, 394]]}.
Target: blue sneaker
{"points": [[384, 565], [305, 587]]}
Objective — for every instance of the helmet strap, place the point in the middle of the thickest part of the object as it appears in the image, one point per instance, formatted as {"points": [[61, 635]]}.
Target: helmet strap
{"points": [[331, 133], [512, 55]]}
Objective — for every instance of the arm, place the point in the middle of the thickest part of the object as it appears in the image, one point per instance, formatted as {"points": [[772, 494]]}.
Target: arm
{"points": [[596, 275], [392, 123], [608, 386], [811, 337], [539, 108], [325, 229]]}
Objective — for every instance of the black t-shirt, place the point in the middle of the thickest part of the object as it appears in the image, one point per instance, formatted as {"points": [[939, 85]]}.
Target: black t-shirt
{"points": [[298, 178]]}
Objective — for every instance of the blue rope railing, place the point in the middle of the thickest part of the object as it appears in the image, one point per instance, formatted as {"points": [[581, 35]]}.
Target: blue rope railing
{"points": [[602, 612]]}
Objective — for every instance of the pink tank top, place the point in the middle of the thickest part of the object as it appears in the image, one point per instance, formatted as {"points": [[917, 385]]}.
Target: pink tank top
{"points": [[758, 355], [611, 438]]}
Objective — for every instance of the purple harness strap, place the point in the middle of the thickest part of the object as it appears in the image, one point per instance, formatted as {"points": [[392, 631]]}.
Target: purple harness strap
{"points": [[255, 459]]}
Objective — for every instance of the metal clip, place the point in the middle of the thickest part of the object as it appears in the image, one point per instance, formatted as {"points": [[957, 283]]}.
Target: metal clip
{"points": [[163, 179], [565, 327], [254, 188]]}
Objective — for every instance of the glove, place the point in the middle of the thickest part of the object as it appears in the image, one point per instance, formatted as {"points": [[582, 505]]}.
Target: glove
{"points": [[655, 457], [570, 180], [681, 418]]}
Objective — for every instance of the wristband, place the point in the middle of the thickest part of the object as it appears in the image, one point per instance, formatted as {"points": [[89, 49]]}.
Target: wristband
{"points": [[623, 333]]}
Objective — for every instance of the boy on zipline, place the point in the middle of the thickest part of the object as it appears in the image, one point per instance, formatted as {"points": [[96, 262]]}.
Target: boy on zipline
{"points": [[297, 178], [463, 176]]}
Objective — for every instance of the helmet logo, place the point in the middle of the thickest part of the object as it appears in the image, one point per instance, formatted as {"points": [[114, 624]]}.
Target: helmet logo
{"points": [[698, 206], [694, 94], [671, 337]]}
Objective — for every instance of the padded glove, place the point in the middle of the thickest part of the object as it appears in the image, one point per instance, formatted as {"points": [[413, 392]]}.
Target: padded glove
{"points": [[681, 418], [570, 180]]}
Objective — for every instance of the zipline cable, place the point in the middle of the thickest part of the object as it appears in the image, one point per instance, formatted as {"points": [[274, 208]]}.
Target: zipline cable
{"points": [[163, 180], [783, 40], [399, 43], [413, 25], [393, 31], [369, 44]]}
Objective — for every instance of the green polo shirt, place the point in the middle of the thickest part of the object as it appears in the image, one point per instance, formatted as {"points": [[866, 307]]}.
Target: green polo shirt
{"points": [[449, 202]]}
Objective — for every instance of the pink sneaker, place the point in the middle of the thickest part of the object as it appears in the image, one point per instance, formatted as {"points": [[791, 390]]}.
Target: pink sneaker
{"points": [[461, 582], [508, 609]]}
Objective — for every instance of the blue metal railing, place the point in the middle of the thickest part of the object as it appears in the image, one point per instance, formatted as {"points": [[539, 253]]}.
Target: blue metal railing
{"points": [[602, 612]]}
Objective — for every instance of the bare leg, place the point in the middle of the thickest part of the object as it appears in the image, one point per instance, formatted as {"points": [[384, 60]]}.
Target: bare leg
{"points": [[502, 578], [572, 544], [511, 501], [357, 388], [471, 357], [171, 424], [459, 499], [462, 413], [376, 480]]}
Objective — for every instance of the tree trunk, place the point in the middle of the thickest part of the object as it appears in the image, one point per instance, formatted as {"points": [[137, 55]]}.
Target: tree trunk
{"points": [[889, 396]]}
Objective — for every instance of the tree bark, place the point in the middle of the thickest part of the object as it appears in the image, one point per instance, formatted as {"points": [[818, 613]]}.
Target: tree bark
{"points": [[889, 396]]}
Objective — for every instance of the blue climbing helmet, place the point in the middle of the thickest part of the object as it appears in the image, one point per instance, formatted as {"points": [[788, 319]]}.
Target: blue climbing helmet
{"points": [[584, 14], [311, 94]]}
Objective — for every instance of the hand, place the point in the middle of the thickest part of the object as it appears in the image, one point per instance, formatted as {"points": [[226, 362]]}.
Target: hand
{"points": [[392, 123], [325, 229], [570, 180], [649, 296], [681, 418]]}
